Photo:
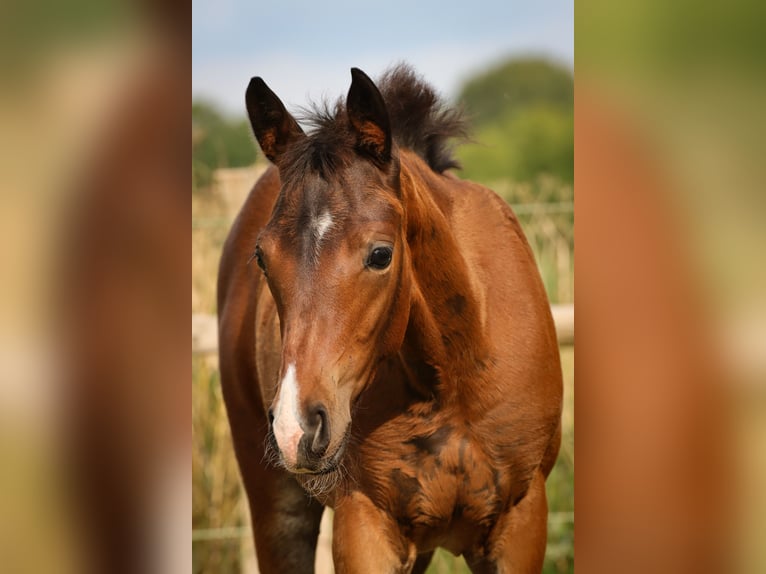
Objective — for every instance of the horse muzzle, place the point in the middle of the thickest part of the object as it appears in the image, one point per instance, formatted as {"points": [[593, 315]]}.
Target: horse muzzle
{"points": [[303, 441]]}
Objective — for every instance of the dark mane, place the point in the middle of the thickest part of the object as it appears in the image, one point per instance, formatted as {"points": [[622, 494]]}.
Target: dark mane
{"points": [[420, 121]]}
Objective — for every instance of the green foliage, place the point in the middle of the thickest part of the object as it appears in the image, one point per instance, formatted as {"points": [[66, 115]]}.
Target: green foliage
{"points": [[522, 114], [218, 142], [517, 84], [521, 146]]}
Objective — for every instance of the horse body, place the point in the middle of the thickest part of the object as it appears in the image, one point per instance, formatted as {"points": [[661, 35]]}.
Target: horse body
{"points": [[420, 394]]}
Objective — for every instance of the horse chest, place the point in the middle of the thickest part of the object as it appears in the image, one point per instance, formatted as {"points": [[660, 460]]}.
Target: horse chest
{"points": [[440, 486]]}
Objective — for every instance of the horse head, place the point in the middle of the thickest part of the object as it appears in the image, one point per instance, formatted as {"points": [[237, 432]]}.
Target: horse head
{"points": [[335, 258]]}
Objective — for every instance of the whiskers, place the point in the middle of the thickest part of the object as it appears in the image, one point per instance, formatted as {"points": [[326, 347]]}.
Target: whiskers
{"points": [[271, 451], [321, 485], [333, 475]]}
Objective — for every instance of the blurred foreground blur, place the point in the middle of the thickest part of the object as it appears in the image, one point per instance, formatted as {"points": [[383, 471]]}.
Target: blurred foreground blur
{"points": [[671, 365], [94, 397]]}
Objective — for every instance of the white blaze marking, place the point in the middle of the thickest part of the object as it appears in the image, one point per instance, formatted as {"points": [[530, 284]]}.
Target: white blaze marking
{"points": [[287, 427], [321, 225]]}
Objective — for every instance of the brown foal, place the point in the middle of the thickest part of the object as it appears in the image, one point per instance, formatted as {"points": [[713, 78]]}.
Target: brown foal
{"points": [[386, 344]]}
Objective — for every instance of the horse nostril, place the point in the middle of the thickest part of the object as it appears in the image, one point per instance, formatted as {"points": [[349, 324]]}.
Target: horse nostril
{"points": [[271, 418], [320, 429]]}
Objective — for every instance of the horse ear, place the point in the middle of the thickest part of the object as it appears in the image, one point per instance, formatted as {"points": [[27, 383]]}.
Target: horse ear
{"points": [[272, 124], [369, 117]]}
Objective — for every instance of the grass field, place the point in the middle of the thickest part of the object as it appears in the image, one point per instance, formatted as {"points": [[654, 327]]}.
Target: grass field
{"points": [[217, 496]]}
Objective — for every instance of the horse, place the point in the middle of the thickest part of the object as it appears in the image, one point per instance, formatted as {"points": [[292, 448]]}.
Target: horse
{"points": [[386, 343]]}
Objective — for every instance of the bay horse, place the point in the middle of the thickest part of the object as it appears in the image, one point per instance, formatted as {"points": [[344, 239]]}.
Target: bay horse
{"points": [[386, 344]]}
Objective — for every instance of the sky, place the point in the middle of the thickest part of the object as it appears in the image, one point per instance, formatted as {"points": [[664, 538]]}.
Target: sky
{"points": [[304, 50]]}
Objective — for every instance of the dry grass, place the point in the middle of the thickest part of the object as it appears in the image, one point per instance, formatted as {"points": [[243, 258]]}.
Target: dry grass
{"points": [[545, 211], [216, 489], [207, 241], [213, 210]]}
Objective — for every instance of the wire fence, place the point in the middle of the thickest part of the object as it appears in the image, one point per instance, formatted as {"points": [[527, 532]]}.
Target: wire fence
{"points": [[237, 532], [519, 209]]}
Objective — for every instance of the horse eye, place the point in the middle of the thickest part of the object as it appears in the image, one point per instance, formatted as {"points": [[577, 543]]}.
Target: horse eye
{"points": [[380, 257], [259, 258]]}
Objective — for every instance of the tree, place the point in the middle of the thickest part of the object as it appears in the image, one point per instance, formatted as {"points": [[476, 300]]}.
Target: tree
{"points": [[522, 114], [218, 142]]}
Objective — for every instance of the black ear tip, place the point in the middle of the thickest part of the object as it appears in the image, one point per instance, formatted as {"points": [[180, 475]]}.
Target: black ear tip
{"points": [[256, 83], [357, 74]]}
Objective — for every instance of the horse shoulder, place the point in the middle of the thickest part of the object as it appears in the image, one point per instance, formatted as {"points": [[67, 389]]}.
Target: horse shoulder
{"points": [[525, 357]]}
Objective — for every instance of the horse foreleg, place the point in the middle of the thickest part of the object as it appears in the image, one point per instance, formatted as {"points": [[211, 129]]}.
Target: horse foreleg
{"points": [[517, 542], [367, 541], [285, 521], [421, 564]]}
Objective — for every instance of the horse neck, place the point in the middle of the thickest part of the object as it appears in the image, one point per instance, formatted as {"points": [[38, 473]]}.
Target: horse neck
{"points": [[445, 347]]}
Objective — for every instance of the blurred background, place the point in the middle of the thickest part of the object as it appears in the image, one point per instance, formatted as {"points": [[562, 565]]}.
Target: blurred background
{"points": [[509, 65], [94, 369], [671, 286]]}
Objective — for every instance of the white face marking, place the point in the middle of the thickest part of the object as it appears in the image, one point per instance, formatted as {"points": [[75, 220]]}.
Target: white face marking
{"points": [[320, 226], [287, 427]]}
